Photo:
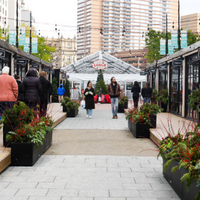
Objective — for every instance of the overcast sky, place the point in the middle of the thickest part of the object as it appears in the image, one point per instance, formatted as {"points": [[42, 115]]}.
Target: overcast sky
{"points": [[63, 13]]}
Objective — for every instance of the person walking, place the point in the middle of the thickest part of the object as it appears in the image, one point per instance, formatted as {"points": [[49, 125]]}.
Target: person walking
{"points": [[146, 92], [89, 100], [114, 92], [136, 90], [8, 90], [47, 90], [19, 83], [32, 88], [61, 92]]}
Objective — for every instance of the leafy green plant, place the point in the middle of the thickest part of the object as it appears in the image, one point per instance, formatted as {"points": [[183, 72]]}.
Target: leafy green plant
{"points": [[152, 109], [70, 104], [33, 132], [123, 100], [65, 101], [161, 96], [131, 112], [137, 116], [155, 95], [18, 115], [194, 98], [67, 88], [185, 149]]}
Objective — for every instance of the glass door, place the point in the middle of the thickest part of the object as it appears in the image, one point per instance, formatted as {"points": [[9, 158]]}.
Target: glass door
{"points": [[192, 85], [176, 88]]}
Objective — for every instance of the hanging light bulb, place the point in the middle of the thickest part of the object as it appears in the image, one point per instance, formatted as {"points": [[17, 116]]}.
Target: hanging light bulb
{"points": [[101, 31]]}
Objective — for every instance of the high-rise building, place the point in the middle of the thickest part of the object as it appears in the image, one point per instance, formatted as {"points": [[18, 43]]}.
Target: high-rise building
{"points": [[191, 22], [65, 51], [120, 25], [4, 14], [12, 12]]}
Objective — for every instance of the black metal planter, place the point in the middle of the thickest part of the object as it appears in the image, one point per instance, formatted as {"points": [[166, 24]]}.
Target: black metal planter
{"points": [[164, 107], [6, 130], [174, 179], [140, 130], [121, 107], [129, 125], [64, 108], [27, 154], [72, 113], [48, 140], [153, 119]]}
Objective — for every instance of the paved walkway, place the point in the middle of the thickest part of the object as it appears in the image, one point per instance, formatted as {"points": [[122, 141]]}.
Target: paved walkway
{"points": [[89, 177]]}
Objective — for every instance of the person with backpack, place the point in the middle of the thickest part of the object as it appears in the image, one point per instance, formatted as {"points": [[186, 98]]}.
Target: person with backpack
{"points": [[61, 92]]}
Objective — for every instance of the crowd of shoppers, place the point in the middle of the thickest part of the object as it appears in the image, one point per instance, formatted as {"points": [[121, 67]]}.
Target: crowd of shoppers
{"points": [[33, 90]]}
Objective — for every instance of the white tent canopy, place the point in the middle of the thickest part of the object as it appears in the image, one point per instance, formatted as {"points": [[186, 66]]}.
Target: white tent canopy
{"points": [[107, 77]]}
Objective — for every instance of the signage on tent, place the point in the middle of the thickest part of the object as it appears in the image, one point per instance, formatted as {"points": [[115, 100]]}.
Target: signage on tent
{"points": [[100, 64]]}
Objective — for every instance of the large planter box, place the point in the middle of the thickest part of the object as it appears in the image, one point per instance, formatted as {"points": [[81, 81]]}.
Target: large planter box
{"points": [[122, 107], [48, 140], [6, 129], [64, 108], [27, 154], [153, 119], [164, 107], [72, 113], [174, 179], [140, 130], [129, 125]]}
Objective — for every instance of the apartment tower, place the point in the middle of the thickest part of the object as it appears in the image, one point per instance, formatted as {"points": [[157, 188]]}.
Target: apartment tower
{"points": [[120, 25], [191, 22], [4, 14]]}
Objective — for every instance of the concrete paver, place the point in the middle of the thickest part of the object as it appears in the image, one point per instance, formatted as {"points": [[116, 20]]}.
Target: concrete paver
{"points": [[91, 159], [101, 119], [85, 180]]}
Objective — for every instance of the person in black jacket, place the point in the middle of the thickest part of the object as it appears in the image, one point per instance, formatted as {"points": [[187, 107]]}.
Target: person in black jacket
{"points": [[32, 88], [146, 93], [89, 99], [135, 90], [47, 90], [19, 83]]}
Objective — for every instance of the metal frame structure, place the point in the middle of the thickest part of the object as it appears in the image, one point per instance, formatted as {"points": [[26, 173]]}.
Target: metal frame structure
{"points": [[115, 65]]}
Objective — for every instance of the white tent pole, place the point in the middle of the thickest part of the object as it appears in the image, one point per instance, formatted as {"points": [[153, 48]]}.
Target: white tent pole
{"points": [[125, 89]]}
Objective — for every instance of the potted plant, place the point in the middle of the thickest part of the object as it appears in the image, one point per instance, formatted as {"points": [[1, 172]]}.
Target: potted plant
{"points": [[123, 104], [181, 164], [64, 103], [29, 141], [70, 106], [140, 124], [194, 104], [163, 99], [129, 115], [15, 117], [153, 110], [155, 96]]}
